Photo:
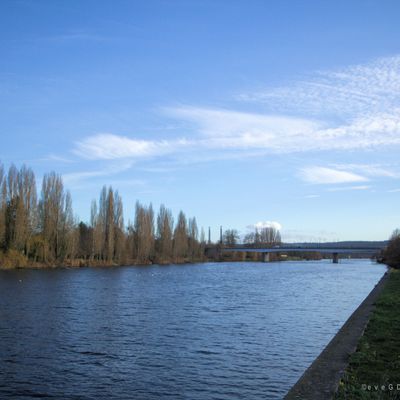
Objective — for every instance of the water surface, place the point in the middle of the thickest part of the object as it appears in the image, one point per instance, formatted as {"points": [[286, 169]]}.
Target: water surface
{"points": [[203, 331]]}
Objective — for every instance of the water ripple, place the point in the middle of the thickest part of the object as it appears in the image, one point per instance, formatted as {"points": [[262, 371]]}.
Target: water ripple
{"points": [[212, 331]]}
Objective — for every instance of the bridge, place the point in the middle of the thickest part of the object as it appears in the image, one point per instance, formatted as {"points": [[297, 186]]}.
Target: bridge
{"points": [[367, 251]]}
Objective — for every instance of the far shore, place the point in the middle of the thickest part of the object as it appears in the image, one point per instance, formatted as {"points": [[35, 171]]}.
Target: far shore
{"points": [[81, 263]]}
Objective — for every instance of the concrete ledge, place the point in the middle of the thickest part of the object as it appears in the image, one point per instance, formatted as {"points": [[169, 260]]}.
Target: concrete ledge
{"points": [[321, 379]]}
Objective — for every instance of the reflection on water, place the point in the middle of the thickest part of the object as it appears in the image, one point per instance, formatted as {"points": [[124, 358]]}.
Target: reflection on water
{"points": [[204, 331]]}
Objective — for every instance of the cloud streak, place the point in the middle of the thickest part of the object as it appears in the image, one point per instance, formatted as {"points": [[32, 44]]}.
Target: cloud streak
{"points": [[346, 188], [323, 175], [372, 170], [366, 97], [217, 130], [108, 146], [226, 129], [76, 178]]}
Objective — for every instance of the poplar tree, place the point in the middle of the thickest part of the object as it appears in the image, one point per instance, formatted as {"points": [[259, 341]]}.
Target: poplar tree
{"points": [[28, 207], [20, 208], [51, 208], [2, 207], [47, 231], [109, 226], [165, 226], [96, 242], [193, 243], [102, 220], [119, 234], [68, 234], [180, 242], [144, 233]]}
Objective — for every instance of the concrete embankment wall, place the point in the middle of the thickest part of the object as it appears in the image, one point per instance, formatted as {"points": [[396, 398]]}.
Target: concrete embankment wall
{"points": [[321, 379]]}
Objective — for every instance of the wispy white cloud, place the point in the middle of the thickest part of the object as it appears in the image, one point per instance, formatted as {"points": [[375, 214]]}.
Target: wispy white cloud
{"points": [[265, 224], [160, 169], [394, 191], [57, 158], [311, 196], [372, 170], [227, 123], [323, 175], [358, 89], [227, 129], [345, 188], [75, 178], [108, 146], [367, 98]]}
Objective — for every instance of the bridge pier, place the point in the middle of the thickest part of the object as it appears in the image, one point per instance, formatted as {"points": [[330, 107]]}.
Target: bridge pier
{"points": [[265, 257], [335, 258]]}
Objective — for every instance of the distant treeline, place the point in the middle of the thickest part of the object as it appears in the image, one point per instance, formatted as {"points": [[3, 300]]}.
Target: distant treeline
{"points": [[44, 231]]}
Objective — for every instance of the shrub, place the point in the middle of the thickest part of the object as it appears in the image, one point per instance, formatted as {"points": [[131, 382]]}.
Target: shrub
{"points": [[391, 255], [13, 259]]}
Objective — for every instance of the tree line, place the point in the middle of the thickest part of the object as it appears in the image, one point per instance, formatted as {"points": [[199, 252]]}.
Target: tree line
{"points": [[391, 254], [43, 229], [263, 237]]}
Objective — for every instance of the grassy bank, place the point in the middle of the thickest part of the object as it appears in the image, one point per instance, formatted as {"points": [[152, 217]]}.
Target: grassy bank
{"points": [[374, 369]]}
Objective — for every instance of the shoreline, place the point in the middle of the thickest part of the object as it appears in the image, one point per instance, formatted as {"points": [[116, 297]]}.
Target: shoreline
{"points": [[40, 266], [79, 263], [321, 379]]}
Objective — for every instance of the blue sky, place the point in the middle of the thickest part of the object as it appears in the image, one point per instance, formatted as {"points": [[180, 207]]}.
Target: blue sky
{"points": [[282, 113]]}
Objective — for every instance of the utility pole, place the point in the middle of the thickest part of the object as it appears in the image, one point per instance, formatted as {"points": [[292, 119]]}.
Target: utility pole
{"points": [[220, 234], [209, 235]]}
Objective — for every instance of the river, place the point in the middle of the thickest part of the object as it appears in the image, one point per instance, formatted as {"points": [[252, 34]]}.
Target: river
{"points": [[201, 331]]}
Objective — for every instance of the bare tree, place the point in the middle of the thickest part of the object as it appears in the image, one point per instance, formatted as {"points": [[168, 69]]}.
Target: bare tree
{"points": [[68, 234], [119, 234], [265, 237], [3, 201], [231, 237], [144, 233], [20, 208], [391, 255], [95, 224], [269, 236], [180, 242], [193, 242], [165, 226], [47, 231], [28, 199], [51, 208], [85, 241], [102, 221], [109, 226]]}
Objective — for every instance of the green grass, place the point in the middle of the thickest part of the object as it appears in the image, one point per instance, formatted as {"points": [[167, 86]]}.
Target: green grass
{"points": [[376, 362]]}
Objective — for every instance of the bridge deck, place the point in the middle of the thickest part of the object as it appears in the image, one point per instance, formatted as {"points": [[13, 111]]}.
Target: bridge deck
{"points": [[303, 250]]}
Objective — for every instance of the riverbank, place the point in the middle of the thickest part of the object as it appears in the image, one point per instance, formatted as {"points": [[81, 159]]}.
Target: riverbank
{"points": [[374, 369], [321, 380], [15, 260]]}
